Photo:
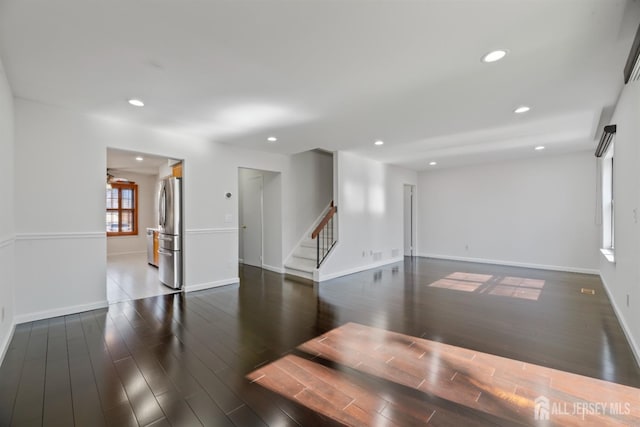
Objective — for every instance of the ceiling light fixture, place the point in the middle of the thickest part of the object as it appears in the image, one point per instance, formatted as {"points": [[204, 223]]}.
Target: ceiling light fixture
{"points": [[379, 142], [539, 148], [433, 163], [136, 102], [521, 109], [139, 158], [109, 179], [272, 139], [495, 55]]}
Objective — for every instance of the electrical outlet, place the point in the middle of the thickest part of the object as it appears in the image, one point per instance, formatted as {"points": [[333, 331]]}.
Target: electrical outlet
{"points": [[364, 254], [466, 247]]}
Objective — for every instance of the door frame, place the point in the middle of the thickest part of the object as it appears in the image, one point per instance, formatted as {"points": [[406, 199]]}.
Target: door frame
{"points": [[154, 206], [412, 219]]}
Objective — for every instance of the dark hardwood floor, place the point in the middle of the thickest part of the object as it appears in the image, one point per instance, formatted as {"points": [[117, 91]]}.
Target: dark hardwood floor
{"points": [[182, 360]]}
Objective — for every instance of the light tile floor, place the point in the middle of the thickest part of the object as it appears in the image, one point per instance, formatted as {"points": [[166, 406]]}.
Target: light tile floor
{"points": [[129, 277]]}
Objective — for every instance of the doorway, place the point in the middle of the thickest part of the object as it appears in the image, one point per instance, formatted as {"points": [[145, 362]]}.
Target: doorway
{"points": [[409, 219], [260, 219], [251, 185], [132, 183]]}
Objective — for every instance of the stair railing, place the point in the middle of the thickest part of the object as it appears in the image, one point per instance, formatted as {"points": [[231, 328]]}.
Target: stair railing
{"points": [[324, 236]]}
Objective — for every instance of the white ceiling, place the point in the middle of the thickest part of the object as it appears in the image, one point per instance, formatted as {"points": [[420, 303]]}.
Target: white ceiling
{"points": [[332, 74]]}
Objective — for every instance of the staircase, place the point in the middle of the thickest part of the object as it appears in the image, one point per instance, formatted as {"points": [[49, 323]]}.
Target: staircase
{"points": [[304, 260]]}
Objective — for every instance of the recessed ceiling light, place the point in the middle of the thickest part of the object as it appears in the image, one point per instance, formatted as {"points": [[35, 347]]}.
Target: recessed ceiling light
{"points": [[433, 163], [521, 109], [539, 148], [136, 103], [379, 142], [495, 55], [139, 158], [272, 139]]}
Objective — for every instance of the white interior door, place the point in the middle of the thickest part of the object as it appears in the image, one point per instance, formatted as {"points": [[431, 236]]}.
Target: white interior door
{"points": [[408, 220], [251, 227]]}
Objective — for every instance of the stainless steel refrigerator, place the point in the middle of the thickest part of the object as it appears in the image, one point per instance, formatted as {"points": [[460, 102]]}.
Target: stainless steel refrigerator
{"points": [[170, 228]]}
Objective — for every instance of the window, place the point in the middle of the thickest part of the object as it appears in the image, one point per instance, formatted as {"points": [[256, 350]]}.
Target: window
{"points": [[608, 205], [122, 209]]}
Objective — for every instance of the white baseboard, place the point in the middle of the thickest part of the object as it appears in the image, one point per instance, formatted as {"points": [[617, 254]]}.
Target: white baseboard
{"points": [[4, 345], [274, 269], [301, 274], [322, 277], [632, 343], [209, 285], [514, 264], [63, 311]]}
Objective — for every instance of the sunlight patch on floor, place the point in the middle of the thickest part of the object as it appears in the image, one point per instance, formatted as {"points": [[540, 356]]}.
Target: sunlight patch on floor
{"points": [[346, 374], [514, 287]]}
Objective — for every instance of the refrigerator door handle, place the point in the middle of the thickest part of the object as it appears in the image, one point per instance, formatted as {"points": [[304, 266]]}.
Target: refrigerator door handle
{"points": [[161, 252], [162, 208]]}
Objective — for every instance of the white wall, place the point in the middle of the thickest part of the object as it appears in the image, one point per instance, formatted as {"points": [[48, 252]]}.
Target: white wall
{"points": [[622, 279], [70, 239], [370, 215], [147, 214], [165, 170], [7, 230], [312, 188], [534, 212]]}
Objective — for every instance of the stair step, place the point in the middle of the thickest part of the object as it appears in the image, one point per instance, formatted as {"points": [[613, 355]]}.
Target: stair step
{"points": [[308, 243], [303, 260], [300, 276], [306, 252], [301, 264]]}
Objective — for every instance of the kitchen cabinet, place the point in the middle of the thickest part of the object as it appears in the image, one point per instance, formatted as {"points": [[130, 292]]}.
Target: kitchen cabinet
{"points": [[177, 170], [153, 246], [156, 247]]}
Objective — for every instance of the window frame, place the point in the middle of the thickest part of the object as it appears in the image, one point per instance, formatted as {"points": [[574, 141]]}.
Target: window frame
{"points": [[124, 186]]}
